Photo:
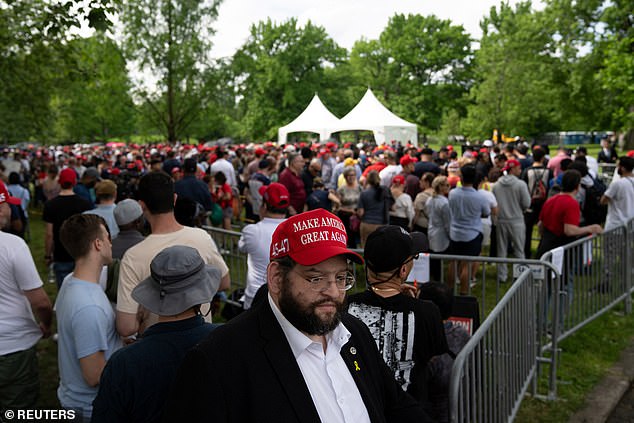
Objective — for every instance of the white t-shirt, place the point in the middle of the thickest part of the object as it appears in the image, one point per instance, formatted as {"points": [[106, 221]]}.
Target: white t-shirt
{"points": [[135, 265], [490, 197], [621, 205], [403, 207], [224, 166], [256, 241], [388, 173], [18, 329]]}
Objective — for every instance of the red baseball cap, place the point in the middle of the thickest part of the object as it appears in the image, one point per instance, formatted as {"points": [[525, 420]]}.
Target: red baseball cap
{"points": [[5, 197], [407, 159], [510, 163], [276, 195], [259, 152], [630, 153], [310, 238], [398, 179], [67, 175]]}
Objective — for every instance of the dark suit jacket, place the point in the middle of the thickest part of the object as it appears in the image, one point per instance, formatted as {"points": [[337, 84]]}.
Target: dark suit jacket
{"points": [[605, 158], [245, 371]]}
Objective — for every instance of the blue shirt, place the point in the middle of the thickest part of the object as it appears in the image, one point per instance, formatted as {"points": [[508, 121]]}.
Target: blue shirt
{"points": [[194, 189], [86, 325], [107, 212], [136, 381], [467, 207]]}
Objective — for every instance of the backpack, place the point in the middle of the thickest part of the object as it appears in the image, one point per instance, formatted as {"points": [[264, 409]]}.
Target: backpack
{"points": [[113, 280], [539, 193], [593, 210]]}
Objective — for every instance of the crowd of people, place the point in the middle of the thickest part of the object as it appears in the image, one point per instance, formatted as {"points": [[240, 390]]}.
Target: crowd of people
{"points": [[136, 274]]}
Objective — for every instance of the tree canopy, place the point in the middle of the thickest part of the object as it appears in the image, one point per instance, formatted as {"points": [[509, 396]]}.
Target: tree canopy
{"points": [[567, 66]]}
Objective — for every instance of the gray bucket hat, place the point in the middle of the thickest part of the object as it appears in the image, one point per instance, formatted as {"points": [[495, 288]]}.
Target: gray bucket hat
{"points": [[179, 279]]}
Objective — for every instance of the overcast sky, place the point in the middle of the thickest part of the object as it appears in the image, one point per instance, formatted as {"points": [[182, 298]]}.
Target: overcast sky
{"points": [[346, 21]]}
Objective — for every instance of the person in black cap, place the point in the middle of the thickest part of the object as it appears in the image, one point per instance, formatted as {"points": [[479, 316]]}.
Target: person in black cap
{"points": [[407, 331], [135, 382], [193, 188]]}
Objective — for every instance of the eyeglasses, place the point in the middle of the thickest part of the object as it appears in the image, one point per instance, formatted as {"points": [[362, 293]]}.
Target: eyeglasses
{"points": [[344, 281]]}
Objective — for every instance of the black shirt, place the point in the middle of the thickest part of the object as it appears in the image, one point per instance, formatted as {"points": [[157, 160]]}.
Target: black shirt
{"points": [[56, 211], [408, 333], [421, 168]]}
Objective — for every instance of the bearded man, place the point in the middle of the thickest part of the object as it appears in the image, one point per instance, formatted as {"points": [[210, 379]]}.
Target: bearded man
{"points": [[296, 357]]}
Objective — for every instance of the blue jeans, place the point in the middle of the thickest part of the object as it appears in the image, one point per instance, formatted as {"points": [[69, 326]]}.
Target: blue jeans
{"points": [[62, 269]]}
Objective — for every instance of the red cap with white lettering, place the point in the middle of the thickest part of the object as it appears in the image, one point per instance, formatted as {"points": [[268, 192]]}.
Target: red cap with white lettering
{"points": [[310, 238]]}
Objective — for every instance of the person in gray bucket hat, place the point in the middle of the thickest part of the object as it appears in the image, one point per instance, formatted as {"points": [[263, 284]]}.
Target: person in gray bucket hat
{"points": [[136, 380]]}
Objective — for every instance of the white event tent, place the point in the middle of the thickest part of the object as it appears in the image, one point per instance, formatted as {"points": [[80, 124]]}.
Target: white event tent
{"points": [[315, 118], [371, 115]]}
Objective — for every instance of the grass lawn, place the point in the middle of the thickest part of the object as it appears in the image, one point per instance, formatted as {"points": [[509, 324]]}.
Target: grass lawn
{"points": [[46, 348]]}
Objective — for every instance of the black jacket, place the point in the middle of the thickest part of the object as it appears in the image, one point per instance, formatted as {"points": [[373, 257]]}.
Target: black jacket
{"points": [[245, 371]]}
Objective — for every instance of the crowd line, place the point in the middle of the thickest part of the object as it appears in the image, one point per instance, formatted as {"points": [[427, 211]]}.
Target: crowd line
{"points": [[137, 277]]}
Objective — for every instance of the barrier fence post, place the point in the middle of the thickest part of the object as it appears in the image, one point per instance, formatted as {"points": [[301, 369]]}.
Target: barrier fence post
{"points": [[629, 251]]}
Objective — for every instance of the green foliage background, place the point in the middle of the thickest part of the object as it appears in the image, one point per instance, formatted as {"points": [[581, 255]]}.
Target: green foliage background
{"points": [[567, 66]]}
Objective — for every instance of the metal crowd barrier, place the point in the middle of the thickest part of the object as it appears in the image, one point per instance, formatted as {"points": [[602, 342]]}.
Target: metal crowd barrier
{"points": [[541, 308], [596, 275], [495, 368], [606, 172], [594, 278]]}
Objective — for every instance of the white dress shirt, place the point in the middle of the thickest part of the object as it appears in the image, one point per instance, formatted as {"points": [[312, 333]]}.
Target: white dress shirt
{"points": [[332, 388]]}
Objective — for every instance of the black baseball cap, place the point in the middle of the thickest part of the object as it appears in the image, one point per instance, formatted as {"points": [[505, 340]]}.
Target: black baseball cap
{"points": [[190, 165], [390, 246]]}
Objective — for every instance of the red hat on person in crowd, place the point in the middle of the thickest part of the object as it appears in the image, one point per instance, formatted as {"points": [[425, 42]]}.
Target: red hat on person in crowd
{"points": [[398, 180], [511, 163], [484, 150], [276, 195], [310, 238], [407, 159], [67, 176], [630, 153], [450, 147], [259, 152], [176, 169], [331, 146], [115, 171], [212, 158], [5, 197]]}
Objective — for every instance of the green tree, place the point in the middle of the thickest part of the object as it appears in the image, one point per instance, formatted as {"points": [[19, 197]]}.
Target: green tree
{"points": [[170, 42], [95, 102], [617, 73], [516, 72], [420, 66], [278, 70], [34, 60]]}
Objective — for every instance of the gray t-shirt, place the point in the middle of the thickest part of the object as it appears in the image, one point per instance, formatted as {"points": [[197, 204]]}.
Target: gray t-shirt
{"points": [[373, 209]]}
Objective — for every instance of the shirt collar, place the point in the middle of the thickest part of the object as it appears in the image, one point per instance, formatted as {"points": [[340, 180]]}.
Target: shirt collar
{"points": [[175, 326], [299, 341]]}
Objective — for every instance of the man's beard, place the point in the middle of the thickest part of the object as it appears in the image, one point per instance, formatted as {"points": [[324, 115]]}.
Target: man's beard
{"points": [[304, 318]]}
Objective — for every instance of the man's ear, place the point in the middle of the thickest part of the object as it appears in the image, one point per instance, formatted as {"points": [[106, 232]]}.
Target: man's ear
{"points": [[274, 277], [143, 206]]}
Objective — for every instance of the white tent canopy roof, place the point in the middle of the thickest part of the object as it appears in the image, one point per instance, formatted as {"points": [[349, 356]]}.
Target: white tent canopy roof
{"points": [[315, 118], [371, 115]]}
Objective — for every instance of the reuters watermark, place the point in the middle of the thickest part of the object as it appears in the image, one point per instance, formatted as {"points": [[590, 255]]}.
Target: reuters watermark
{"points": [[38, 415]]}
